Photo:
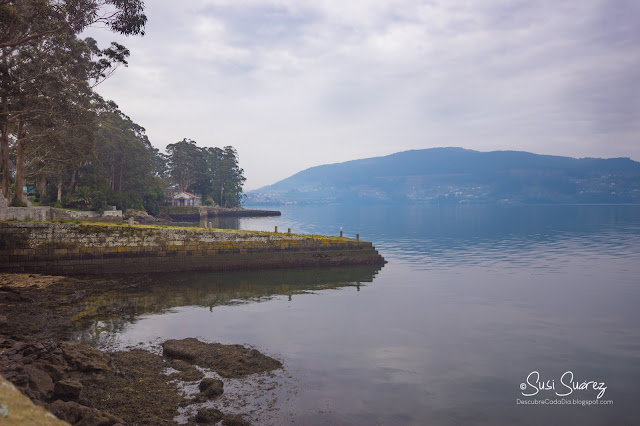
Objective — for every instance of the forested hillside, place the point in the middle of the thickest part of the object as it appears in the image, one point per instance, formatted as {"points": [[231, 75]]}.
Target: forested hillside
{"points": [[456, 175]]}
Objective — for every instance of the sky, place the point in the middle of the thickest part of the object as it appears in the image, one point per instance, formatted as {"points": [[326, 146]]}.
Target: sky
{"points": [[293, 84]]}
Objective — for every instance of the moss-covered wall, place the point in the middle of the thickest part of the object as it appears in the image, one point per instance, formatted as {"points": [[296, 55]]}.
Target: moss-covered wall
{"points": [[102, 249]]}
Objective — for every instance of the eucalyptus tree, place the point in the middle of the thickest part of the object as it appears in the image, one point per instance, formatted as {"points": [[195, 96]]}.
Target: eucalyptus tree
{"points": [[124, 154], [187, 163], [230, 178], [31, 30], [210, 171], [52, 100], [25, 21]]}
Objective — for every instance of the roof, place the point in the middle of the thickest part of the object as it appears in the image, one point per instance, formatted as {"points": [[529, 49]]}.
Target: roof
{"points": [[185, 195]]}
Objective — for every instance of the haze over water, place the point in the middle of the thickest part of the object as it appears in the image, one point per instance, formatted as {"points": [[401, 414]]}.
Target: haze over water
{"points": [[473, 299]]}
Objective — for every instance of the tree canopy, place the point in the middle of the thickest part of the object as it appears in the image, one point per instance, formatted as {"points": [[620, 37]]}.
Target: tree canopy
{"points": [[78, 149], [212, 172], [47, 72]]}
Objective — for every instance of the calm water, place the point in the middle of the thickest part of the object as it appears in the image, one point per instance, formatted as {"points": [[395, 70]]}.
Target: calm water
{"points": [[473, 299]]}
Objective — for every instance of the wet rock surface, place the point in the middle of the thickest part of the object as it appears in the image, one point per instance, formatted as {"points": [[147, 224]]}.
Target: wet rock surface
{"points": [[229, 361], [85, 386], [67, 389], [211, 416], [186, 372], [211, 387], [208, 416]]}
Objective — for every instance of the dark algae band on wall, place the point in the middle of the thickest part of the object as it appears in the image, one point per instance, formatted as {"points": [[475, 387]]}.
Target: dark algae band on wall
{"points": [[62, 248]]}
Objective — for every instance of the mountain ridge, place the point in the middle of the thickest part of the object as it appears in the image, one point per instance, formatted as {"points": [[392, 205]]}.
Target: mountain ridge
{"points": [[458, 175]]}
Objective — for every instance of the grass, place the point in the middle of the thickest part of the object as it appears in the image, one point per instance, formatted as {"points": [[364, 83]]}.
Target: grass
{"points": [[190, 228], [195, 228]]}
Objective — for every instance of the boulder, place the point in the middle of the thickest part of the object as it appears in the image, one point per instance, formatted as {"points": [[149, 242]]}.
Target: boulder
{"points": [[211, 387], [82, 357], [77, 414], [235, 420], [230, 361], [40, 383], [17, 409], [208, 416], [185, 349], [67, 389]]}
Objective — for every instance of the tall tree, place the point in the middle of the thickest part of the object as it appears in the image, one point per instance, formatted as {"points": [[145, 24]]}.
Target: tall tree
{"points": [[26, 21], [31, 28], [231, 178], [59, 101], [209, 171], [186, 162]]}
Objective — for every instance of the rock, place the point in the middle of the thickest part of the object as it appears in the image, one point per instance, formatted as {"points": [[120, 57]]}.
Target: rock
{"points": [[208, 416], [80, 415], [40, 383], [67, 389], [231, 361], [235, 420], [211, 387], [17, 409], [84, 358], [180, 365], [55, 368], [185, 349], [139, 216], [186, 372]]}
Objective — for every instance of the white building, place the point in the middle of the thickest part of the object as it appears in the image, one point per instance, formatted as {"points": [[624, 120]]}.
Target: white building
{"points": [[186, 199]]}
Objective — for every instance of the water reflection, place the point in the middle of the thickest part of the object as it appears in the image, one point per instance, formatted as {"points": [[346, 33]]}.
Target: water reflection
{"points": [[112, 311], [218, 222], [472, 300], [442, 237]]}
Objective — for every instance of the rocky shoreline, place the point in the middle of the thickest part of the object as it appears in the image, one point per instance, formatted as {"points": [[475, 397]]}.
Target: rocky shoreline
{"points": [[83, 385]]}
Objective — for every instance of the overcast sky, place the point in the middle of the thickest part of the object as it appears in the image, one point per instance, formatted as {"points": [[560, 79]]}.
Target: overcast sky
{"points": [[295, 83]]}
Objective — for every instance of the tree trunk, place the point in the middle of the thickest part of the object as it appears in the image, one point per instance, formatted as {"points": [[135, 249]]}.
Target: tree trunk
{"points": [[4, 129], [73, 180], [120, 180], [20, 198], [43, 187], [4, 153]]}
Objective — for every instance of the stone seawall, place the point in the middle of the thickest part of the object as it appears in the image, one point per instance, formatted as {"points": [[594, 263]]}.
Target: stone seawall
{"points": [[56, 248]]}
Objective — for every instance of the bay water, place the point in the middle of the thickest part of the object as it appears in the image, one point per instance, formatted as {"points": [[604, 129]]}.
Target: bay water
{"points": [[482, 315]]}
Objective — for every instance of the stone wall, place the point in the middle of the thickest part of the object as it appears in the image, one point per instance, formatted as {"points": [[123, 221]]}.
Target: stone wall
{"points": [[102, 249], [47, 213], [26, 213]]}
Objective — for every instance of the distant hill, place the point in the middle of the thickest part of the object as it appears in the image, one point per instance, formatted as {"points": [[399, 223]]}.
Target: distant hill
{"points": [[457, 175]]}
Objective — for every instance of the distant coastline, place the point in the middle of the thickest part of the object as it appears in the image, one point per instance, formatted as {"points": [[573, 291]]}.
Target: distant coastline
{"points": [[459, 176]]}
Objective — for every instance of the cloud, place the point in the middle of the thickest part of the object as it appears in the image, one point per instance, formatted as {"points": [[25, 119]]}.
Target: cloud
{"points": [[294, 84]]}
